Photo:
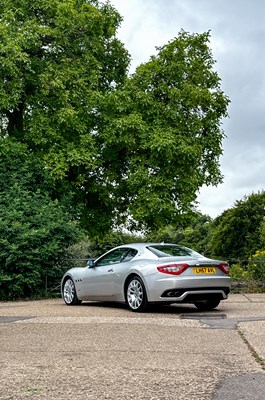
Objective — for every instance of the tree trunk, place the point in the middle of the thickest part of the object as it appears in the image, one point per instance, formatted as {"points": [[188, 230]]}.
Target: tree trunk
{"points": [[15, 120]]}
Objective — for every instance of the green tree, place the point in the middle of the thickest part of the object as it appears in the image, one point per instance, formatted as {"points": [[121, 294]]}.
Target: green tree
{"points": [[134, 149], [237, 232], [35, 230], [160, 135], [56, 58]]}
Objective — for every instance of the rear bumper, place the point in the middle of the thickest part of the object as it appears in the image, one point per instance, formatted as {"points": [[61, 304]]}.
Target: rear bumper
{"points": [[190, 295], [189, 290]]}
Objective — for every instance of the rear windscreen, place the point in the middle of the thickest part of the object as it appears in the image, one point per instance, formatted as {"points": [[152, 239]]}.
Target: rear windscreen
{"points": [[172, 250]]}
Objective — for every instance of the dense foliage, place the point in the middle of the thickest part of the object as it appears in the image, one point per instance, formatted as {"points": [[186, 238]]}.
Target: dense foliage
{"points": [[35, 229], [161, 134], [238, 232], [57, 60], [135, 150]]}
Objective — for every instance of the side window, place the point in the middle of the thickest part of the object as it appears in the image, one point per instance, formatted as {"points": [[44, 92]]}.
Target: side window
{"points": [[117, 256], [114, 256], [131, 253]]}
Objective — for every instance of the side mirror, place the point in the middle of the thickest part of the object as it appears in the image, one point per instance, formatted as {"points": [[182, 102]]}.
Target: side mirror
{"points": [[91, 263]]}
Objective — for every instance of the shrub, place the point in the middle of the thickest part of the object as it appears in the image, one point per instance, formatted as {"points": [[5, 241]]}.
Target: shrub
{"points": [[256, 266], [238, 272]]}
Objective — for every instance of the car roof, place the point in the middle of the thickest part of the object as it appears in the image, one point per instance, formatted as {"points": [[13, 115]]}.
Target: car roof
{"points": [[141, 245]]}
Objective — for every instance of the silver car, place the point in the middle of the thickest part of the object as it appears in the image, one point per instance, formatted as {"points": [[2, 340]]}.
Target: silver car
{"points": [[142, 273]]}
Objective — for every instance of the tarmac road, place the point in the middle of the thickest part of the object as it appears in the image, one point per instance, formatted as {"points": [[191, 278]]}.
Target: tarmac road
{"points": [[99, 351]]}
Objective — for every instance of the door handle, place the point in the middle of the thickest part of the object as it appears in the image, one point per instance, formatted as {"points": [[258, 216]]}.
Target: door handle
{"points": [[110, 270]]}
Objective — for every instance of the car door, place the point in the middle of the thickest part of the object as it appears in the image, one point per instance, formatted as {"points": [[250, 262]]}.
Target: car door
{"points": [[98, 282]]}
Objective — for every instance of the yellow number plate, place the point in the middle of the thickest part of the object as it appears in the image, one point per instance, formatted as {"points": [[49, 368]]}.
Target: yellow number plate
{"points": [[204, 270]]}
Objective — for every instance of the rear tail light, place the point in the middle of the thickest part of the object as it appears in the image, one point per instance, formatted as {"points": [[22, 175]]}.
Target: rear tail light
{"points": [[173, 269], [224, 267]]}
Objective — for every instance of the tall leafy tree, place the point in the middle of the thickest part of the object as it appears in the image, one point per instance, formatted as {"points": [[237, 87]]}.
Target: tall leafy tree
{"points": [[135, 149], [56, 58], [161, 134]]}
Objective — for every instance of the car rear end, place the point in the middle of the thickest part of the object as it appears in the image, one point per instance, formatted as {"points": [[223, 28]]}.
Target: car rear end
{"points": [[189, 281]]}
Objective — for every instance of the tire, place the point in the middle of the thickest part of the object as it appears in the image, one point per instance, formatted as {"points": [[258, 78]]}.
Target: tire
{"points": [[136, 297], [69, 293], [207, 305]]}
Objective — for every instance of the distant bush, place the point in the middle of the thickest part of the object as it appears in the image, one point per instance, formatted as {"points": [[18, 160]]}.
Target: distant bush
{"points": [[256, 266], [238, 272], [249, 277]]}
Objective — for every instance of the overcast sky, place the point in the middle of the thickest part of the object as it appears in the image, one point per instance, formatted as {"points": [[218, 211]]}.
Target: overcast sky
{"points": [[238, 45]]}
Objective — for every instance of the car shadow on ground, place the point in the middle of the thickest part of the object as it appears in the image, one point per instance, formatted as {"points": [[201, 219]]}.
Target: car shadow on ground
{"points": [[153, 308]]}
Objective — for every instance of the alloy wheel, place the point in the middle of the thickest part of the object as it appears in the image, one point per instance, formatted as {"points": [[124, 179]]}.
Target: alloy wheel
{"points": [[135, 294], [69, 291]]}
